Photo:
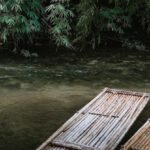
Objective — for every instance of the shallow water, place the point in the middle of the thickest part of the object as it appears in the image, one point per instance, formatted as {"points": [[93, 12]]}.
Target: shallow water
{"points": [[36, 98]]}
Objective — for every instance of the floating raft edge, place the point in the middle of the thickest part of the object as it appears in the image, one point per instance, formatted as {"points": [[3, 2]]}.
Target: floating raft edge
{"points": [[99, 117], [140, 140]]}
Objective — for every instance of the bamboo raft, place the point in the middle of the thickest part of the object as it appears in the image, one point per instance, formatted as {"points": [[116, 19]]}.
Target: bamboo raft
{"points": [[101, 124], [140, 140]]}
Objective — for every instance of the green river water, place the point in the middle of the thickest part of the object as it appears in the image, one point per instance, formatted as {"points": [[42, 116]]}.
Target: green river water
{"points": [[36, 98]]}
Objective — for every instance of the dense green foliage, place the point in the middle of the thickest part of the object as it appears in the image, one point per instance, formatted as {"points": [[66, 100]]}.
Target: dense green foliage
{"points": [[113, 18], [19, 18], [90, 22], [59, 15]]}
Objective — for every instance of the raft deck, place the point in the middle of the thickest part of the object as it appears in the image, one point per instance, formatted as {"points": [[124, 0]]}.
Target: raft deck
{"points": [[101, 124], [141, 139]]}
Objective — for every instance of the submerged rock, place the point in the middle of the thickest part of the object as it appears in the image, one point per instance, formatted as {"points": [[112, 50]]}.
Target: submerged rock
{"points": [[34, 55], [24, 85], [25, 53], [13, 84], [93, 62]]}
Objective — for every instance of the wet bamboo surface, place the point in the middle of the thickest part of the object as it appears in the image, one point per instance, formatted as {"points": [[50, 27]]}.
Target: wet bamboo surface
{"points": [[140, 140], [101, 124]]}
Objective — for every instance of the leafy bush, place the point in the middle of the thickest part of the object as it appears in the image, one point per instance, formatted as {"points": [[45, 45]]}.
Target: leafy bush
{"points": [[58, 15], [111, 18], [95, 21], [19, 18]]}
